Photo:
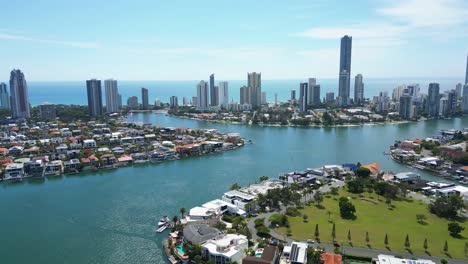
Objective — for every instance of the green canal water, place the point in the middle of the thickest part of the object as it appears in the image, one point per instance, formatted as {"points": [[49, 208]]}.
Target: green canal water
{"points": [[110, 216]]}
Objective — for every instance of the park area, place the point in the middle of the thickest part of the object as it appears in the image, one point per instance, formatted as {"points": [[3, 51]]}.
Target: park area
{"points": [[379, 218]]}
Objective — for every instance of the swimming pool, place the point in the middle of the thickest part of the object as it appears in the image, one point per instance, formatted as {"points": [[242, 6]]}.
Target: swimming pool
{"points": [[180, 249]]}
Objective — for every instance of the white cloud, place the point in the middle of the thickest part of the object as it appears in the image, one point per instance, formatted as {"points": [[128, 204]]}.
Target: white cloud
{"points": [[401, 20], [427, 13], [76, 44]]}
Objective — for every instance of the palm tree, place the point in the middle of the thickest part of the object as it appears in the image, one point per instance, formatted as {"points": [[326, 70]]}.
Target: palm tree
{"points": [[425, 245], [316, 231], [407, 242], [175, 219], [333, 232], [446, 247], [386, 240], [182, 211], [349, 235], [367, 237]]}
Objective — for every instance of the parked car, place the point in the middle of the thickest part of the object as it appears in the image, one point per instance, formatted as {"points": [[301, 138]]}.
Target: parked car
{"points": [[336, 244], [310, 241]]}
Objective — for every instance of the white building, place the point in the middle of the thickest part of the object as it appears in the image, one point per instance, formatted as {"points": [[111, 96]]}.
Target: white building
{"points": [[14, 171], [229, 247], [89, 143], [203, 96], [223, 94], [113, 98], [200, 215], [240, 199], [295, 253], [387, 259]]}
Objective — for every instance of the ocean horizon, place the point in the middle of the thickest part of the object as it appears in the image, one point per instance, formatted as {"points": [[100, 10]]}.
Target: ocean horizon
{"points": [[74, 92]]}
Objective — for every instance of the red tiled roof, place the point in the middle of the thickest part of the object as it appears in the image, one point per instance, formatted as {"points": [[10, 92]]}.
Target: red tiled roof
{"points": [[329, 258]]}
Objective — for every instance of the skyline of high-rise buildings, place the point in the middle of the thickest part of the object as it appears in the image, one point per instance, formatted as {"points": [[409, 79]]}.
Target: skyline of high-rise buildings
{"points": [[345, 70], [19, 100], [94, 93]]}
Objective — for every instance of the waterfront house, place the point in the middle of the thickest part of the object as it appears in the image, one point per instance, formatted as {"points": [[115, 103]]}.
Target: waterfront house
{"points": [[72, 165], [431, 162], [296, 253], [90, 163], [408, 145], [126, 140], [125, 160], [118, 150], [201, 215], [406, 177], [267, 255], [156, 156], [14, 171], [188, 150], [109, 160], [234, 138], [89, 143], [240, 199], [140, 157], [34, 168], [197, 234], [229, 247], [54, 167]]}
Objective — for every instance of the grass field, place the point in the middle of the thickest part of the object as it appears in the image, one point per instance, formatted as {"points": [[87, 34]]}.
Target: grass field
{"points": [[375, 217]]}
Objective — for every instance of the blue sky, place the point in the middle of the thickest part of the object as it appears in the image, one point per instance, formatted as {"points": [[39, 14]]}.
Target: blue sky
{"points": [[187, 40]]}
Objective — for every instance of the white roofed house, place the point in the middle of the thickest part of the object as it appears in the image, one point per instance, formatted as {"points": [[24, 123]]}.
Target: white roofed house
{"points": [[296, 253], [14, 171], [201, 215], [89, 143], [54, 167], [222, 249], [240, 199]]}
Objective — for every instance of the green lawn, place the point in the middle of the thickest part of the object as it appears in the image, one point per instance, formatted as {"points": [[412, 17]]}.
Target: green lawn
{"points": [[375, 217]]}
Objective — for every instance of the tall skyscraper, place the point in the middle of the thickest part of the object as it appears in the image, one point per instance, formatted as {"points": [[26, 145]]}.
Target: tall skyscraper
{"points": [[312, 83], [358, 90], [329, 97], [214, 93], [452, 102], [132, 102], [303, 98], [93, 87], [433, 100], [293, 95], [223, 90], [203, 96], [458, 89], [466, 74], [144, 99], [315, 95], [113, 98], [254, 82], [245, 95], [173, 102], [19, 95], [465, 99], [264, 96], [4, 96], [345, 69], [406, 106]]}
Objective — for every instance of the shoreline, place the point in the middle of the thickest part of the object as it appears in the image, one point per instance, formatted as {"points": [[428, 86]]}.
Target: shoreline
{"points": [[296, 126]]}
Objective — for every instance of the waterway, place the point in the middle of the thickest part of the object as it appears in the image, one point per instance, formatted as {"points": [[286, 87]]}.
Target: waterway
{"points": [[109, 216]]}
